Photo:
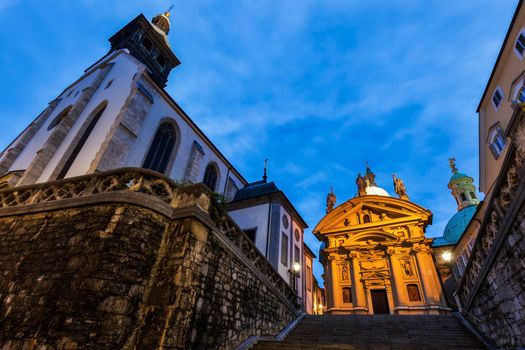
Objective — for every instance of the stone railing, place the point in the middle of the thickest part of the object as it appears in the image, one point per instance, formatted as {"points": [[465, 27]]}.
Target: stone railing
{"points": [[226, 224], [126, 179], [153, 184], [501, 210]]}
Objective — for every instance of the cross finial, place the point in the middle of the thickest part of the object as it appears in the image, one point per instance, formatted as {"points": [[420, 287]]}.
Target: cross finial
{"points": [[168, 11], [265, 177], [452, 164]]}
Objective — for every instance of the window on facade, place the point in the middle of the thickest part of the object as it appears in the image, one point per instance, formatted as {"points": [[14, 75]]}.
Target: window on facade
{"points": [[210, 176], [108, 84], [297, 254], [161, 60], [520, 45], [413, 292], [308, 278], [366, 218], [347, 295], [521, 95], [463, 196], [161, 148], [147, 44], [497, 97], [470, 244], [231, 189], [496, 141], [59, 117], [81, 141], [251, 233], [284, 249]]}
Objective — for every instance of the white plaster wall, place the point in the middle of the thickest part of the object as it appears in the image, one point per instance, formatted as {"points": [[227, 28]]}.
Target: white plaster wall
{"points": [[282, 269], [256, 216], [37, 142], [121, 73], [299, 243], [161, 110]]}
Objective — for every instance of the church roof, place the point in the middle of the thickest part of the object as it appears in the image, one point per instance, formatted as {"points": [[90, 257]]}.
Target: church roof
{"points": [[255, 189], [458, 175], [377, 191], [455, 227]]}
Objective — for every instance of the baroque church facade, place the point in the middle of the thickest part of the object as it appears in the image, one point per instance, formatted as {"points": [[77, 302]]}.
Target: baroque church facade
{"points": [[376, 257], [118, 115]]}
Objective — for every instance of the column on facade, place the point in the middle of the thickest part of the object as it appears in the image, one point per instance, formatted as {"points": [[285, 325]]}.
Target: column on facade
{"points": [[357, 284], [330, 299], [426, 268], [398, 287]]}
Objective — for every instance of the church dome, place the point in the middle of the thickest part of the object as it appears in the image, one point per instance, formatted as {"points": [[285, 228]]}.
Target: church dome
{"points": [[458, 176], [376, 191], [458, 223]]}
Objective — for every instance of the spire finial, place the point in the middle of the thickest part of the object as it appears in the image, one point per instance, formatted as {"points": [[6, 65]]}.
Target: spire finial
{"points": [[162, 21], [168, 11], [452, 164], [265, 177]]}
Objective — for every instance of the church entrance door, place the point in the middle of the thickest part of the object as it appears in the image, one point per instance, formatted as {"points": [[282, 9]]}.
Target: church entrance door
{"points": [[379, 301]]}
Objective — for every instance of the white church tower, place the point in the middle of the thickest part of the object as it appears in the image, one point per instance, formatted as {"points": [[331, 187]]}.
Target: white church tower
{"points": [[117, 114]]}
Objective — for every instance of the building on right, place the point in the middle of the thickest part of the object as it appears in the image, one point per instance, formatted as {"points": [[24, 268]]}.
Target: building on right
{"points": [[491, 288]]}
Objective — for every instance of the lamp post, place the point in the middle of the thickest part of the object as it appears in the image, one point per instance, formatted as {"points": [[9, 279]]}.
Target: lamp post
{"points": [[447, 256], [295, 271]]}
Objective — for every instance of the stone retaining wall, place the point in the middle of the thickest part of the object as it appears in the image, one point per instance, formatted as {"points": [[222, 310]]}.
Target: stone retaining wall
{"points": [[124, 270]]}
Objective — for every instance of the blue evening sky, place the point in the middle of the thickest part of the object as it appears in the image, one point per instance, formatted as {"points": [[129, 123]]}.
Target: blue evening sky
{"points": [[318, 87]]}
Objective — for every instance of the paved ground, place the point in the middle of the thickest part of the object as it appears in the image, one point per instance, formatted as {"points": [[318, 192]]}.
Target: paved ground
{"points": [[381, 332]]}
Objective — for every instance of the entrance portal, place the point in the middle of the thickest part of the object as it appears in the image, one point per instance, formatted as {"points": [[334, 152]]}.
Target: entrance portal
{"points": [[379, 301]]}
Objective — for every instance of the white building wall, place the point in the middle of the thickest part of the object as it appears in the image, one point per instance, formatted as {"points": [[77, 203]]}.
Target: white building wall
{"points": [[256, 216], [37, 142], [122, 72]]}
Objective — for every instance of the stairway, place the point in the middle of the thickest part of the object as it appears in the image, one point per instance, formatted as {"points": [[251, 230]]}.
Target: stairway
{"points": [[389, 332]]}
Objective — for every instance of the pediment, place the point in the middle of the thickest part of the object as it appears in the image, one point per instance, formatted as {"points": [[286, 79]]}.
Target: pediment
{"points": [[365, 212]]}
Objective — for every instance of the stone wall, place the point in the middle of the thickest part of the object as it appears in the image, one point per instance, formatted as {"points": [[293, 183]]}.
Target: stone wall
{"points": [[113, 267], [491, 293]]}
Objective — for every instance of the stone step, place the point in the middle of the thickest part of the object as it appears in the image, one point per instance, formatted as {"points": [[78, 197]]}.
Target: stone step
{"points": [[362, 332]]}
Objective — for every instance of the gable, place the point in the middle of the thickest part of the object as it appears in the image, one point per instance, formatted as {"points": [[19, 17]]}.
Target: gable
{"points": [[369, 212]]}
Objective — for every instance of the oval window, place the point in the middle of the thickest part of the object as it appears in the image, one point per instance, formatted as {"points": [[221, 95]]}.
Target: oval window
{"points": [[59, 117]]}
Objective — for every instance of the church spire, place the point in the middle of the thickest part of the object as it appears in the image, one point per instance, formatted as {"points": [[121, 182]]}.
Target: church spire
{"points": [[461, 187], [162, 21]]}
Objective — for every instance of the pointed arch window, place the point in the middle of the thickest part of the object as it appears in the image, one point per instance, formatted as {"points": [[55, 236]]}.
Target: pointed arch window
{"points": [[161, 148], [95, 116], [210, 176], [59, 117]]}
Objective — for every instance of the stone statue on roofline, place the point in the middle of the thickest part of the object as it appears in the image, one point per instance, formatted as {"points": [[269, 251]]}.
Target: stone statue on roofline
{"points": [[330, 200], [361, 183], [399, 187]]}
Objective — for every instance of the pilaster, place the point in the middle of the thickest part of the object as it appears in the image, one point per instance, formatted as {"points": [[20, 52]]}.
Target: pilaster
{"points": [[125, 130]]}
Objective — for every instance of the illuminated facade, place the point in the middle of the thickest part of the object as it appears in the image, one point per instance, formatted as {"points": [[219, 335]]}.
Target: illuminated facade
{"points": [[376, 257]]}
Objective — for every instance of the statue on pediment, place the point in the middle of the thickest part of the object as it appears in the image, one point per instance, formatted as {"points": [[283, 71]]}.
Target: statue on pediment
{"points": [[361, 185], [399, 187], [330, 200]]}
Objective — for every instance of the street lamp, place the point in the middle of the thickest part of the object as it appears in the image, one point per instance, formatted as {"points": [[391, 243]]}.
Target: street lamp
{"points": [[295, 271], [447, 256]]}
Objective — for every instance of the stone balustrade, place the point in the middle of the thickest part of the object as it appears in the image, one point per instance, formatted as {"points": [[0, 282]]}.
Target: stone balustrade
{"points": [[489, 291]]}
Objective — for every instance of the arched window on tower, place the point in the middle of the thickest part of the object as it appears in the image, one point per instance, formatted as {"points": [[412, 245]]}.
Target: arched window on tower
{"points": [[161, 148], [94, 116], [210, 176]]}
